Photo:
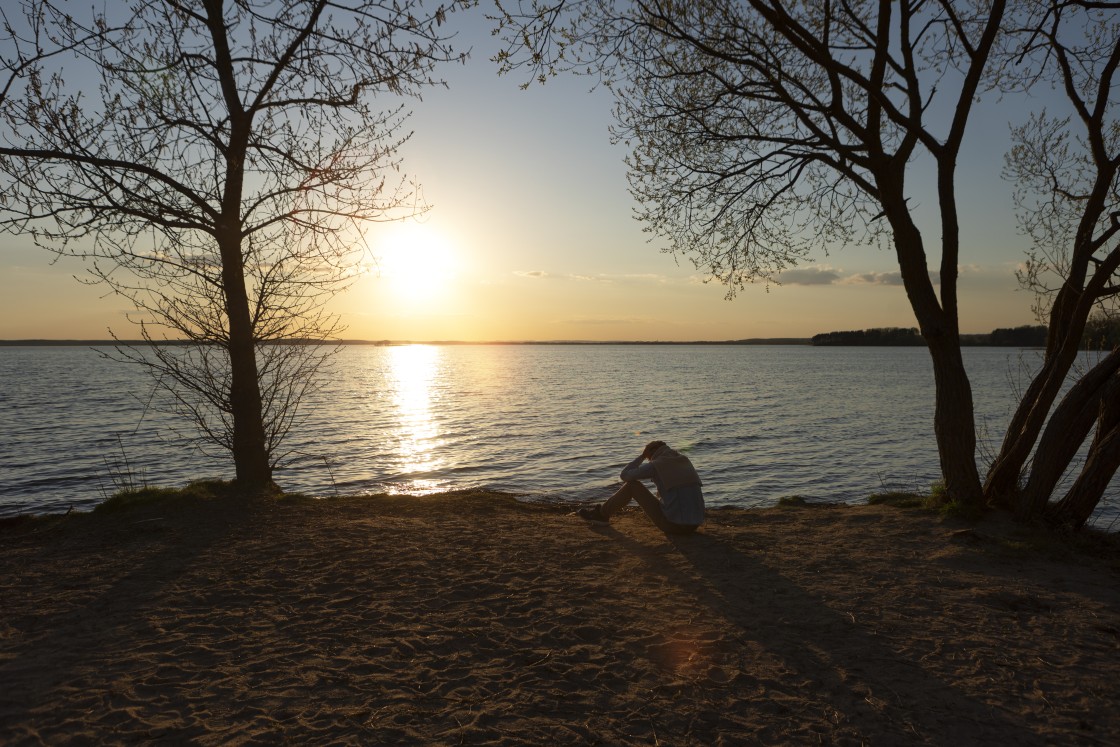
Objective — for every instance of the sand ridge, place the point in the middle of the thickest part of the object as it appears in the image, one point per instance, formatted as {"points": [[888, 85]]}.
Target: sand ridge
{"points": [[471, 618]]}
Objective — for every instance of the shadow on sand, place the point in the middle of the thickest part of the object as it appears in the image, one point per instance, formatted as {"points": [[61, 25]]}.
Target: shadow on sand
{"points": [[805, 649]]}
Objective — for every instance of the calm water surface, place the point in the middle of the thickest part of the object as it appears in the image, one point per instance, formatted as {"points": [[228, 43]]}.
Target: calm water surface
{"points": [[552, 422]]}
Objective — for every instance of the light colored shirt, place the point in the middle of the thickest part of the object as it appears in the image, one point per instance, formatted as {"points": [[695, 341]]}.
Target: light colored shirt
{"points": [[682, 503]]}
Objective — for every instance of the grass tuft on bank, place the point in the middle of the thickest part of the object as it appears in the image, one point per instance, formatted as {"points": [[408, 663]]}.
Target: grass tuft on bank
{"points": [[936, 500], [899, 499], [199, 490]]}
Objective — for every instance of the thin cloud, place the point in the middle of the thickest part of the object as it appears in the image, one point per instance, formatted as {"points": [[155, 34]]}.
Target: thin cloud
{"points": [[646, 277], [824, 275], [972, 273], [602, 277], [806, 276], [872, 278], [809, 276], [592, 320], [545, 274]]}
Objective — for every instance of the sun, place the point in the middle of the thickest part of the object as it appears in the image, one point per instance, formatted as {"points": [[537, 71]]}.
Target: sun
{"points": [[415, 261]]}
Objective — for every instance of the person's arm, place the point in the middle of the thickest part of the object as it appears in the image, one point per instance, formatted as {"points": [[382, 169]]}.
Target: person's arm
{"points": [[636, 470]]}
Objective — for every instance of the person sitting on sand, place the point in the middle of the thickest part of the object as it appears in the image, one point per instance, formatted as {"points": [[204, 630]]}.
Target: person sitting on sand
{"points": [[681, 508]]}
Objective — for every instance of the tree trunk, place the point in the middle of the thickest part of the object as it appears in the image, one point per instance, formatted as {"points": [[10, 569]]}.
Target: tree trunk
{"points": [[953, 422], [250, 453], [1002, 481], [1067, 321], [1104, 458], [1064, 434], [249, 445]]}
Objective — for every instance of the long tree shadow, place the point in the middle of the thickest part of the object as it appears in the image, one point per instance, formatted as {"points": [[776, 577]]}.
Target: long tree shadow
{"points": [[74, 644], [826, 655]]}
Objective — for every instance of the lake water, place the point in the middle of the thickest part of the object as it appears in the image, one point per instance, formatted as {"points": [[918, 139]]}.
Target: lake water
{"points": [[550, 422]]}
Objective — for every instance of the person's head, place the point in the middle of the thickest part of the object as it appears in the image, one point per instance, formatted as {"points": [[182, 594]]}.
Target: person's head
{"points": [[651, 447]]}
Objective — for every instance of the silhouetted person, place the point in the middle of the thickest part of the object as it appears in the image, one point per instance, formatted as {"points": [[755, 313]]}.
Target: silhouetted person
{"points": [[681, 506]]}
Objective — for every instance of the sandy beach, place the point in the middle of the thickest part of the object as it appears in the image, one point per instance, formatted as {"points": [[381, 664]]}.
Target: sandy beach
{"points": [[471, 618]]}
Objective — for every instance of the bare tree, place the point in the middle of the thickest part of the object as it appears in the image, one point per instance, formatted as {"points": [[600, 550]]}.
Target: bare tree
{"points": [[763, 131], [214, 162], [1066, 171]]}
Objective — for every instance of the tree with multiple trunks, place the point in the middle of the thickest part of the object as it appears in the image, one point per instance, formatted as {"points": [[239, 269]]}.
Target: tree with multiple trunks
{"points": [[1066, 172], [762, 131], [214, 163]]}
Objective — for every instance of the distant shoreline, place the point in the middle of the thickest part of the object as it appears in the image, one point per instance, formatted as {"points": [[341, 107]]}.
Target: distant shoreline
{"points": [[110, 343], [758, 341], [1018, 337]]}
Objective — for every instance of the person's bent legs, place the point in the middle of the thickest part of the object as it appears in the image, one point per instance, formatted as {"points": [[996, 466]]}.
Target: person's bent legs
{"points": [[635, 491], [630, 491]]}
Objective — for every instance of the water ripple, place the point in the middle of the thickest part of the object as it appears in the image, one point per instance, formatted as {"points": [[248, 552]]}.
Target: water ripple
{"points": [[550, 422]]}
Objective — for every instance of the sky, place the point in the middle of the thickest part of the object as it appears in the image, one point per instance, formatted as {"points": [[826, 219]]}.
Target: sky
{"points": [[531, 236]]}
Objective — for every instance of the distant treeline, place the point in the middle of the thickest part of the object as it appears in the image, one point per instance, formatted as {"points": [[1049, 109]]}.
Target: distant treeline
{"points": [[1018, 337], [1027, 336], [879, 336], [1101, 333]]}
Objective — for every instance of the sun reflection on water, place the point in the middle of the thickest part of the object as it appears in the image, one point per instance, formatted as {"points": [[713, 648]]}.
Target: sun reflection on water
{"points": [[414, 372]]}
